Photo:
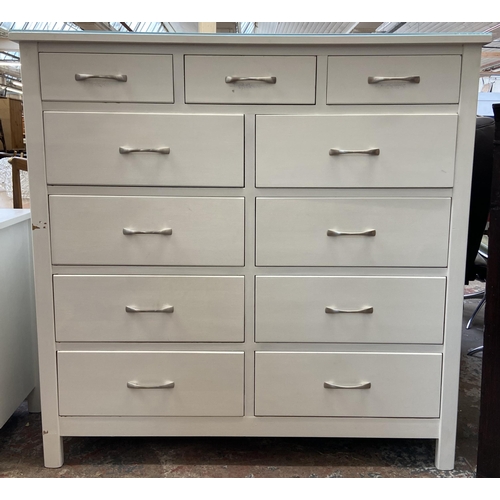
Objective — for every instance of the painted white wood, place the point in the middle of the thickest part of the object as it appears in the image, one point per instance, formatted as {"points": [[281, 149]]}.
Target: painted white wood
{"points": [[17, 308], [321, 427], [149, 77], [295, 79], [52, 439], [13, 216], [205, 150], [445, 446], [205, 231], [319, 48], [241, 39], [205, 383], [414, 150], [402, 385], [292, 309], [409, 232], [348, 79], [205, 308]]}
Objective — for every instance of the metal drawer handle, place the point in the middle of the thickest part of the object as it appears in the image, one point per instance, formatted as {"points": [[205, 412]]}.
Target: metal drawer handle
{"points": [[133, 309], [166, 232], [334, 232], [378, 79], [126, 151], [83, 76], [337, 152], [330, 385], [364, 310], [138, 385], [264, 79]]}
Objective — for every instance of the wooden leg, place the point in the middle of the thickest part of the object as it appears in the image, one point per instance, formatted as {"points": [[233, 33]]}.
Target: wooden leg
{"points": [[18, 164], [17, 198], [445, 453], [53, 452]]}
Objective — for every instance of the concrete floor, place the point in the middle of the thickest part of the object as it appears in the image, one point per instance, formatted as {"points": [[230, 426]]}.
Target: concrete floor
{"points": [[174, 457]]}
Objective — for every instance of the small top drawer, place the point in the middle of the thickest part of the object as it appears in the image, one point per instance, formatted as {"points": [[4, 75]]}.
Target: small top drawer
{"points": [[106, 77], [250, 79], [393, 79]]}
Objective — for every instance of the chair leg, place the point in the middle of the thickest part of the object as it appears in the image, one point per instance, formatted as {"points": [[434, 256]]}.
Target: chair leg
{"points": [[473, 351], [478, 308]]}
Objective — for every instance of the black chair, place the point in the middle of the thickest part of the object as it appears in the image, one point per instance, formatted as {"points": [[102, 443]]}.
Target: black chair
{"points": [[477, 250]]}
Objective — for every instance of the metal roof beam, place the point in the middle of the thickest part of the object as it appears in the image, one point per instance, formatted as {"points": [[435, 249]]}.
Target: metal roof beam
{"points": [[364, 28], [95, 26]]}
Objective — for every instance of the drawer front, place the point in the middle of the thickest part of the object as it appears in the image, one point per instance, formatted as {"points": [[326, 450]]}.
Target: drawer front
{"points": [[347, 384], [350, 309], [406, 232], [250, 79], [356, 151], [204, 384], [149, 308], [128, 77], [188, 150], [187, 231], [419, 79]]}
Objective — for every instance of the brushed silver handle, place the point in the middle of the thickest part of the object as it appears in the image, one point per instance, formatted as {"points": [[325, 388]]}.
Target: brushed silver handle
{"points": [[84, 76], [166, 232], [334, 232], [165, 309], [264, 79], [126, 151], [337, 152], [331, 385], [378, 79], [364, 310], [138, 385]]}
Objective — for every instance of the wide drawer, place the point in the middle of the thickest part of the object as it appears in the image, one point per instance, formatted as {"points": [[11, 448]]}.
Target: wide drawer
{"points": [[347, 384], [351, 309], [406, 232], [250, 79], [106, 77], [149, 308], [204, 384], [393, 79], [356, 150], [109, 230], [177, 150]]}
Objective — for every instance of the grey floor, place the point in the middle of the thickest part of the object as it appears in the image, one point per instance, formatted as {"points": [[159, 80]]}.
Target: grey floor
{"points": [[21, 446]]}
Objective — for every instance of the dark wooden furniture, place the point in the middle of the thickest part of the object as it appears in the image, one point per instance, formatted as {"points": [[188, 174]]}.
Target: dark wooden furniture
{"points": [[488, 459], [18, 164]]}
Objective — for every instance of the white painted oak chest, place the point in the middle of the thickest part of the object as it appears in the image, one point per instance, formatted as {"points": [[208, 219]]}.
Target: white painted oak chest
{"points": [[250, 235]]}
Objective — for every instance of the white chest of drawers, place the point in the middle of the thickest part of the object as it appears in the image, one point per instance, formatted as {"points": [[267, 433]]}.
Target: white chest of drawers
{"points": [[249, 236]]}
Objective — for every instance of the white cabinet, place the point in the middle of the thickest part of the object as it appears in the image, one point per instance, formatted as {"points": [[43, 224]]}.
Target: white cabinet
{"points": [[18, 357], [250, 236]]}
